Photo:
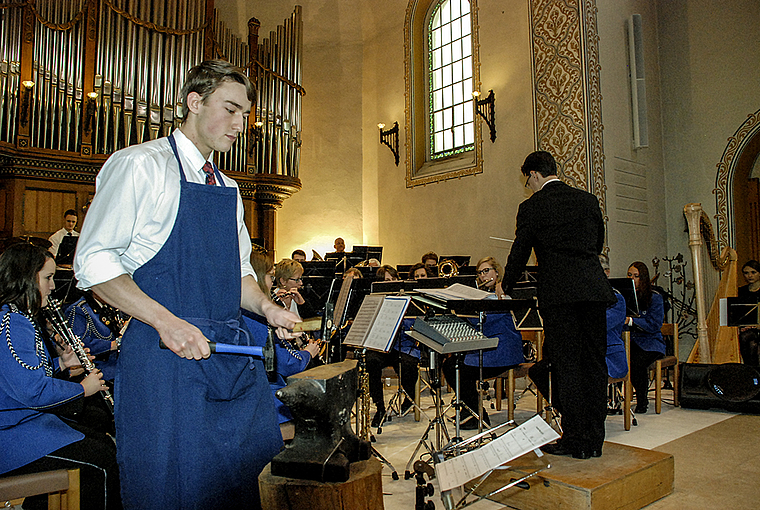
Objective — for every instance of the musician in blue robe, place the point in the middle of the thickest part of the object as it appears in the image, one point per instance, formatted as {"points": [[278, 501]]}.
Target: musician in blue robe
{"points": [[32, 436]]}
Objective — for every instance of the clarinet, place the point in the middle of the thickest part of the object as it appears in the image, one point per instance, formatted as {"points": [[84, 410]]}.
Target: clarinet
{"points": [[53, 312]]}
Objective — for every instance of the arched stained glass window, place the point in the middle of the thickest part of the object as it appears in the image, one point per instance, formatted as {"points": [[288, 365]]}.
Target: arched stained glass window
{"points": [[450, 67]]}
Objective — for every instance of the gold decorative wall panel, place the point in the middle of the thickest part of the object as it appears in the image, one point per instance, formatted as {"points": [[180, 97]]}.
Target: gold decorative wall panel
{"points": [[567, 97]]}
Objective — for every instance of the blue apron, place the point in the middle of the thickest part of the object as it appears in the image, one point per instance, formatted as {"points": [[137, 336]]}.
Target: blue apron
{"points": [[194, 434]]}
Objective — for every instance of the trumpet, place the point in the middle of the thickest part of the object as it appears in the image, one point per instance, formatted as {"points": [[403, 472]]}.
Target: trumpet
{"points": [[53, 312]]}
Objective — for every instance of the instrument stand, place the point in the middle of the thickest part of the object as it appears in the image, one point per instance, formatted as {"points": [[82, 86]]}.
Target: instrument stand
{"points": [[438, 423], [552, 415], [396, 401], [362, 417]]}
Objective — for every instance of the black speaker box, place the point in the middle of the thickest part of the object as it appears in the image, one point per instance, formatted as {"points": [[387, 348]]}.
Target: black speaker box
{"points": [[731, 386]]}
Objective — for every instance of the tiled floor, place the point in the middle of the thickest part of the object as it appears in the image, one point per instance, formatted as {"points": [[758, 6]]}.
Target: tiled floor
{"points": [[400, 437]]}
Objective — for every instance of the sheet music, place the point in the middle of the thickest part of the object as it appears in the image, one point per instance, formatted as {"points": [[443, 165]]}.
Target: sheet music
{"points": [[377, 321], [387, 322], [455, 291], [527, 437]]}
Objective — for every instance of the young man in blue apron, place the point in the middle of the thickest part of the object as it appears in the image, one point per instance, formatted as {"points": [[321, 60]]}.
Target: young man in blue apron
{"points": [[164, 241]]}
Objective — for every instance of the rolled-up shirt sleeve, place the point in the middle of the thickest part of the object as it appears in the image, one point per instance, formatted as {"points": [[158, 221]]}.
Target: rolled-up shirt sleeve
{"points": [[108, 228]]}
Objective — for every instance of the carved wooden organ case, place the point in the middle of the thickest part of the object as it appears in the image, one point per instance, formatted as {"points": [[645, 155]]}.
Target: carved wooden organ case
{"points": [[80, 79]]}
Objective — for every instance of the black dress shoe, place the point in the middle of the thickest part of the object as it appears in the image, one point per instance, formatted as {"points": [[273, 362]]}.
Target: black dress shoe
{"points": [[640, 409], [586, 454], [556, 449]]}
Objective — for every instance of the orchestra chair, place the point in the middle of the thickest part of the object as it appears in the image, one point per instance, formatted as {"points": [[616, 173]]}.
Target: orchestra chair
{"points": [[627, 387], [668, 330], [61, 486], [510, 376]]}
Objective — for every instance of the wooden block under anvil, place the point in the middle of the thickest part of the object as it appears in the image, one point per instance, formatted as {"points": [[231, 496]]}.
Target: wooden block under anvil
{"points": [[324, 445]]}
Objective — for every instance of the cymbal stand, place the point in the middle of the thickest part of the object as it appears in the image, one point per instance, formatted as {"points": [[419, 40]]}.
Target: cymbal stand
{"points": [[438, 423]]}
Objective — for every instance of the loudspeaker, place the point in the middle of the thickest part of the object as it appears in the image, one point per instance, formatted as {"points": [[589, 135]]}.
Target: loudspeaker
{"points": [[730, 386], [638, 83]]}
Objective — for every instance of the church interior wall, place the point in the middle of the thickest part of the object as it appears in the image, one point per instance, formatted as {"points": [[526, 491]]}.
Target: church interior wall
{"points": [[709, 56], [699, 90]]}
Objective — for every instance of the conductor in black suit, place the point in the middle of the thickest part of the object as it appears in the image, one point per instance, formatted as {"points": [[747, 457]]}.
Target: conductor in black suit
{"points": [[564, 226]]}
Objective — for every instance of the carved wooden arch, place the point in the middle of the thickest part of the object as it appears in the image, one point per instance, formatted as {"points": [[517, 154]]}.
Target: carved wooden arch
{"points": [[748, 133]]}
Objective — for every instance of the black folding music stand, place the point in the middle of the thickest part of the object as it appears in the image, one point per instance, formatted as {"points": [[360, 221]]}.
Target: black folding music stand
{"points": [[396, 401], [375, 327]]}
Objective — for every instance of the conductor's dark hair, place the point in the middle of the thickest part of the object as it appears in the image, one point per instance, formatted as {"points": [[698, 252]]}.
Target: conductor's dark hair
{"points": [[70, 212], [19, 265], [207, 76], [541, 162]]}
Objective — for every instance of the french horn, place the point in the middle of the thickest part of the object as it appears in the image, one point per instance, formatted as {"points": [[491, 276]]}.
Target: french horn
{"points": [[447, 268]]}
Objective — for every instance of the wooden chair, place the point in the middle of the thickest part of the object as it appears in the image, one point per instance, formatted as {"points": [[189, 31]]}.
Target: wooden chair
{"points": [[61, 486], [671, 330], [510, 376], [535, 336], [627, 387]]}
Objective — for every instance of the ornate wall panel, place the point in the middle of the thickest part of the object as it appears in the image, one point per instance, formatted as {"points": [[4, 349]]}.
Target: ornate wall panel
{"points": [[567, 97]]}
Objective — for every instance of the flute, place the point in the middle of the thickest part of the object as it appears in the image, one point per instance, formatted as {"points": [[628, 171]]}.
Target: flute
{"points": [[53, 311]]}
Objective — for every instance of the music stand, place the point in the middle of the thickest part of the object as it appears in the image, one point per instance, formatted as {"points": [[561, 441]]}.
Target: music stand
{"points": [[627, 287], [375, 327]]}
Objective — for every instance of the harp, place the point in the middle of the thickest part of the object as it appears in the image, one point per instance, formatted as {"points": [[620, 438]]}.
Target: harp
{"points": [[715, 277]]}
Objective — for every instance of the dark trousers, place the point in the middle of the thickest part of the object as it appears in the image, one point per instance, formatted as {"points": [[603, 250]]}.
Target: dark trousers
{"points": [[749, 340], [376, 361], [640, 362], [95, 457], [468, 380], [575, 346]]}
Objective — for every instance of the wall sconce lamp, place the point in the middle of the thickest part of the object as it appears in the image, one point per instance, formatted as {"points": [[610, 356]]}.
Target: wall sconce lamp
{"points": [[390, 138], [26, 100], [89, 112], [485, 108], [257, 134]]}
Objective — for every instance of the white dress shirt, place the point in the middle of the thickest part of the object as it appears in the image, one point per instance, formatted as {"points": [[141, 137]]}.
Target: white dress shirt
{"points": [[56, 239], [135, 206]]}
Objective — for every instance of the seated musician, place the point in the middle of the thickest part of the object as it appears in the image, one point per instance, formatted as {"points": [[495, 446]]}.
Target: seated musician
{"points": [[85, 318], [430, 261], [387, 274], [298, 255], [353, 272], [420, 270], [647, 344], [289, 359], [749, 336], [34, 438], [288, 275], [404, 363], [507, 354]]}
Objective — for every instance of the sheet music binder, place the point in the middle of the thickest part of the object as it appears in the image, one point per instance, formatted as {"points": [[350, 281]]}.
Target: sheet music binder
{"points": [[377, 322]]}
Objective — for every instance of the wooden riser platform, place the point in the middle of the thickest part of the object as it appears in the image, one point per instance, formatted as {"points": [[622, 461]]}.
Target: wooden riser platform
{"points": [[624, 478]]}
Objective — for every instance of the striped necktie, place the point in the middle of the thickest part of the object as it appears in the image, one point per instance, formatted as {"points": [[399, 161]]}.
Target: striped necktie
{"points": [[210, 177]]}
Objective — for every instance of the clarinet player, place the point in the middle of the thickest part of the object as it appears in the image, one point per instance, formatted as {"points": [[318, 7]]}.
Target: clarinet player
{"points": [[32, 435]]}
